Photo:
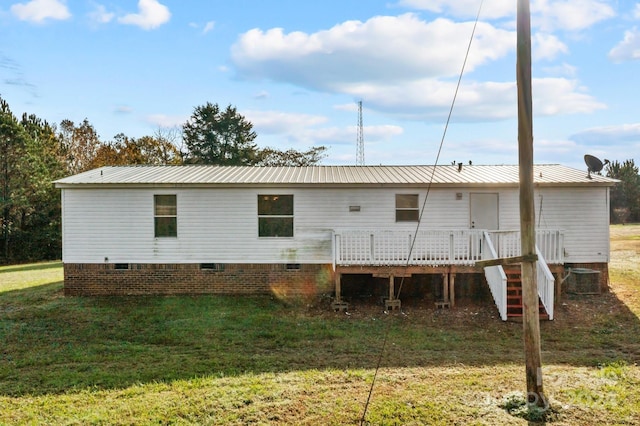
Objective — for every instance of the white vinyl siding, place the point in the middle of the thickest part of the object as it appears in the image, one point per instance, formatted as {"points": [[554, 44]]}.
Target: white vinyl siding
{"points": [[220, 225]]}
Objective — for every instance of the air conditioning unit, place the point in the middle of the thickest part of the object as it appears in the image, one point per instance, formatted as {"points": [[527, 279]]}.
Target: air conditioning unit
{"points": [[583, 281]]}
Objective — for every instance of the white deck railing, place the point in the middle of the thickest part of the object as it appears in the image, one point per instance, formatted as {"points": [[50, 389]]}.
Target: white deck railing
{"points": [[496, 278], [434, 247], [390, 247], [437, 247], [550, 242]]}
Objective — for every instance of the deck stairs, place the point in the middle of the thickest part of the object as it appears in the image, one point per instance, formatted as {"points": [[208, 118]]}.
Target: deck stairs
{"points": [[514, 295]]}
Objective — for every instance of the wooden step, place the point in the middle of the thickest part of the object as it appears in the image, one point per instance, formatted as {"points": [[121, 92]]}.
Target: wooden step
{"points": [[515, 310]]}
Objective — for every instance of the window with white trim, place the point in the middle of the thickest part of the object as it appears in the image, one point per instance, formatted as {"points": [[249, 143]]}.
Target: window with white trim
{"points": [[165, 216], [407, 208], [275, 215]]}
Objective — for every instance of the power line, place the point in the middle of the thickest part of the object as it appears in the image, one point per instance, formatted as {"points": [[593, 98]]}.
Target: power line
{"points": [[424, 204]]}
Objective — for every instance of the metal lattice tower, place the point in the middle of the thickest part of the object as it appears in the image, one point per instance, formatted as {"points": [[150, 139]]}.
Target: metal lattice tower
{"points": [[360, 142]]}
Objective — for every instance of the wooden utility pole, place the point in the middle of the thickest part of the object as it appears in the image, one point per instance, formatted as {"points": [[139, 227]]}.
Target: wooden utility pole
{"points": [[531, 316]]}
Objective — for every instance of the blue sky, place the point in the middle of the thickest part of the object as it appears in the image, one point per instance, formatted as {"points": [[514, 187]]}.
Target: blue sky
{"points": [[296, 70]]}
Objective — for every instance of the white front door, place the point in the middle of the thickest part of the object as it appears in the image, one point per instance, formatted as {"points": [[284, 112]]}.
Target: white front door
{"points": [[484, 210]]}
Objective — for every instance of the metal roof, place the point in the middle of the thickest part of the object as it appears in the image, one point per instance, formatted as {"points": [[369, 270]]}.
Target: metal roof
{"points": [[546, 174]]}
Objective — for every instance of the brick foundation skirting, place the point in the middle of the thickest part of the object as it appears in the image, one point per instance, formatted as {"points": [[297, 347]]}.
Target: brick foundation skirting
{"points": [[281, 280]]}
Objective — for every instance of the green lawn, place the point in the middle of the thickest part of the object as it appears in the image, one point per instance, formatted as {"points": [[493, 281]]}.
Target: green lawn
{"points": [[255, 360]]}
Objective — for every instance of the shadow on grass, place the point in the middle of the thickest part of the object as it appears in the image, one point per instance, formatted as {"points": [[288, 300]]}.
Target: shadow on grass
{"points": [[57, 344], [30, 267]]}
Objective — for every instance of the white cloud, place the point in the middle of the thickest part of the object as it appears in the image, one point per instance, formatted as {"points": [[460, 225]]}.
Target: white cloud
{"points": [[100, 15], [344, 135], [491, 9], [407, 67], [151, 14], [383, 49], [636, 11], [563, 69], [306, 129], [208, 27], [379, 133], [546, 46], [39, 11], [123, 109], [548, 15], [560, 96], [628, 49], [569, 15], [609, 134], [166, 121], [617, 142], [430, 99], [555, 146], [278, 122]]}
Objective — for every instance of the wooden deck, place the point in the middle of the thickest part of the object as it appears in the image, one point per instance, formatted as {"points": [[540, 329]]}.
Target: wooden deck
{"points": [[390, 254]]}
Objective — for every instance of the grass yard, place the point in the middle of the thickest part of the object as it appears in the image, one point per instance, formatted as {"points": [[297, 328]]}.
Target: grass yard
{"points": [[255, 360]]}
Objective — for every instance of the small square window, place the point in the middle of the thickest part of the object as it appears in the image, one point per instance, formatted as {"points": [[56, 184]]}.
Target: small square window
{"points": [[407, 208]]}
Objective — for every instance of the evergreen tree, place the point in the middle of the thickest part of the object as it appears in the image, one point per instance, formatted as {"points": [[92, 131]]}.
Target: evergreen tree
{"points": [[38, 225], [625, 195], [12, 173], [214, 136]]}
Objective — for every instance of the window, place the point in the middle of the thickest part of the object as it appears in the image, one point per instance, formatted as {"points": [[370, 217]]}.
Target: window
{"points": [[275, 215], [407, 208], [165, 216]]}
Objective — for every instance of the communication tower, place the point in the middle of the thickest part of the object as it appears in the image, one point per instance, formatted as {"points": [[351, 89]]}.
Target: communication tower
{"points": [[360, 141]]}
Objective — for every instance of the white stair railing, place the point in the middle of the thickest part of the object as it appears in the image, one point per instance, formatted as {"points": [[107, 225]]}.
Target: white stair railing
{"points": [[546, 284], [496, 278]]}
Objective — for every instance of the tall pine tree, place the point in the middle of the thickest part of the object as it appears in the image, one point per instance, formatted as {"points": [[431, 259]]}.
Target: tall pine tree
{"points": [[12, 174]]}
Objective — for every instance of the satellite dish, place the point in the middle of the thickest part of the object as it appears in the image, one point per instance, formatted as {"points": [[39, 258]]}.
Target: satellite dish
{"points": [[593, 164]]}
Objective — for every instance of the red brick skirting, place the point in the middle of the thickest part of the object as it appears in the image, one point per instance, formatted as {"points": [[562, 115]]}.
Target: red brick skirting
{"points": [[281, 280]]}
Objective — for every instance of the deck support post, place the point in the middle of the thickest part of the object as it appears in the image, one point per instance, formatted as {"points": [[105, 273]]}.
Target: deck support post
{"points": [[338, 304], [445, 287], [445, 302], [392, 303], [558, 287], [452, 289]]}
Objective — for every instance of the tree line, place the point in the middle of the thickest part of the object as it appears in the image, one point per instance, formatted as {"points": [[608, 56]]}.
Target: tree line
{"points": [[34, 153]]}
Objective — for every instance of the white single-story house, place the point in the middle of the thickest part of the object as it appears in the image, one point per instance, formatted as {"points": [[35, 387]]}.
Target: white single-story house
{"points": [[303, 230]]}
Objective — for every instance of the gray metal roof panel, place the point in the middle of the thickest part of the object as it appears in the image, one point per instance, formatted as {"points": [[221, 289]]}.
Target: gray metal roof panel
{"points": [[335, 175]]}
